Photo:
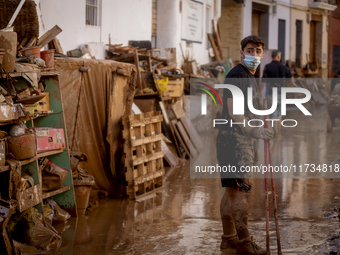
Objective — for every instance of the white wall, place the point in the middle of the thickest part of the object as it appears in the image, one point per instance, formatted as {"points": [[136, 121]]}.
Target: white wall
{"points": [[123, 20], [169, 26], [282, 12]]}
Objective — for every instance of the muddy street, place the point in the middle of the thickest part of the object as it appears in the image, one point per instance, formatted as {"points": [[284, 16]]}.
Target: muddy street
{"points": [[185, 218]]}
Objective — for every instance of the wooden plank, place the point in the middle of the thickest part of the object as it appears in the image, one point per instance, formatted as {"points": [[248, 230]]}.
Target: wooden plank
{"points": [[158, 144], [55, 192], [146, 140], [174, 90], [32, 42], [192, 132], [23, 43], [218, 39], [170, 152], [139, 77], [173, 123], [57, 46], [178, 109], [145, 121], [139, 149], [149, 146], [167, 126], [4, 169], [217, 54], [186, 139], [219, 30], [149, 177], [27, 161], [144, 159], [49, 36], [49, 153]]}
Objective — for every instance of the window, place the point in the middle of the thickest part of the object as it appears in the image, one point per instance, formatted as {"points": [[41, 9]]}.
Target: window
{"points": [[92, 10], [336, 59], [298, 45], [282, 39]]}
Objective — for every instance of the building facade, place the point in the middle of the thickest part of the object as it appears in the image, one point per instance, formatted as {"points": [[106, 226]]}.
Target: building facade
{"points": [[334, 42], [184, 24], [298, 28], [94, 21]]}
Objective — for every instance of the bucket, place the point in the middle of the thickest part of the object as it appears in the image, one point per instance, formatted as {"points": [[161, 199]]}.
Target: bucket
{"points": [[82, 193], [35, 51], [48, 57]]}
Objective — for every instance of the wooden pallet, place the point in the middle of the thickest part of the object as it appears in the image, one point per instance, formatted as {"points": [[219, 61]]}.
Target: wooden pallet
{"points": [[143, 153]]}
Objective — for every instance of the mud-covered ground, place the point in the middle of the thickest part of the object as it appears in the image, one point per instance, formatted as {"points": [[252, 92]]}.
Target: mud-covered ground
{"points": [[184, 218]]}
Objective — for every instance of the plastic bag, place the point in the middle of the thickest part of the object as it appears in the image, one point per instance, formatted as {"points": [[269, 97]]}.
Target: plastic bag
{"points": [[162, 84], [28, 227], [48, 213], [26, 182], [53, 176], [59, 214]]}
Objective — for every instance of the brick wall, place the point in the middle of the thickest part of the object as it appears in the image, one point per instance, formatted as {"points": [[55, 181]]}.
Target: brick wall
{"points": [[231, 25]]}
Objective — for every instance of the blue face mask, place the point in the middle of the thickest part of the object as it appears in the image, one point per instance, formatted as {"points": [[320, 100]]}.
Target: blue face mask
{"points": [[252, 62]]}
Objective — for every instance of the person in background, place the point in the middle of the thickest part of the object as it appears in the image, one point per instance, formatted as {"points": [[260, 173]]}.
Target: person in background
{"points": [[276, 72]]}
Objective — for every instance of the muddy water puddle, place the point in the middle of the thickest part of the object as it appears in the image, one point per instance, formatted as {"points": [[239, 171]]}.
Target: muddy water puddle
{"points": [[185, 218]]}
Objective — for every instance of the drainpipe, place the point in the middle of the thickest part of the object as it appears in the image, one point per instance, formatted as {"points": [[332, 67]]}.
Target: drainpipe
{"points": [[290, 30], [101, 20]]}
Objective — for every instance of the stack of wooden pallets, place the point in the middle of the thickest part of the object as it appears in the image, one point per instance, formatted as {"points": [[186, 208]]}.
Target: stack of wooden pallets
{"points": [[143, 153]]}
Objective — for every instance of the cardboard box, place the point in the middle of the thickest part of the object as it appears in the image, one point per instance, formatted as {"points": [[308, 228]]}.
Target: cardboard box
{"points": [[49, 139]]}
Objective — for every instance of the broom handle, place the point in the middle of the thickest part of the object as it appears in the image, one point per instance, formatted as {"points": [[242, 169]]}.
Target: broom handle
{"points": [[266, 186], [279, 252], [16, 13]]}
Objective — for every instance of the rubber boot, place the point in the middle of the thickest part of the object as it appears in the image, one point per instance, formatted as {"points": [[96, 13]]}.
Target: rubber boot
{"points": [[229, 241], [248, 247], [229, 237]]}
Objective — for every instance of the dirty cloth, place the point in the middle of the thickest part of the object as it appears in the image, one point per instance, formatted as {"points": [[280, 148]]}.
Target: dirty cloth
{"points": [[234, 146], [94, 103], [15, 175], [29, 228]]}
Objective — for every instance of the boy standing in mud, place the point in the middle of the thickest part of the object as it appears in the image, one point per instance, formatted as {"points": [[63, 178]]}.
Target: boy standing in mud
{"points": [[236, 146]]}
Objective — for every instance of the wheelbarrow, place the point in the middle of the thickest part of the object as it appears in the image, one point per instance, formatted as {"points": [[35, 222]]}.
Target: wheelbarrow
{"points": [[334, 113]]}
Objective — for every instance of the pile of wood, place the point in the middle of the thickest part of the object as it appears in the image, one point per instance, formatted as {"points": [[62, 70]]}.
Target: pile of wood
{"points": [[146, 62], [185, 134], [47, 38], [216, 41]]}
